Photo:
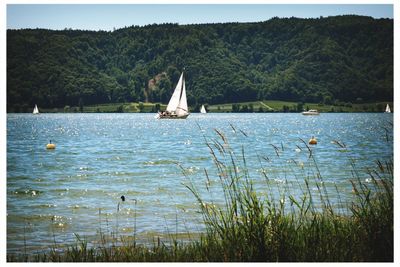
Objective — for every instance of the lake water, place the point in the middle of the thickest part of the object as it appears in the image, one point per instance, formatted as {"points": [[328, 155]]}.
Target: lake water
{"points": [[76, 188]]}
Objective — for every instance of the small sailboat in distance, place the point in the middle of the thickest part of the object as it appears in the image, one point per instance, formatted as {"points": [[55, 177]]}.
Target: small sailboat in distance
{"points": [[177, 106], [203, 109], [36, 110], [387, 110]]}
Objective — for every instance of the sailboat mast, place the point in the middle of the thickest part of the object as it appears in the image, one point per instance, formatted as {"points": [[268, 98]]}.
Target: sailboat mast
{"points": [[183, 82]]}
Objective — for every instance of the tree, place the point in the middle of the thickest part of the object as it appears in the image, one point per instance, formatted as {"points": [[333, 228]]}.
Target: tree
{"points": [[235, 107], [300, 106], [342, 58], [251, 108], [141, 107], [244, 108], [120, 109], [286, 108], [80, 104]]}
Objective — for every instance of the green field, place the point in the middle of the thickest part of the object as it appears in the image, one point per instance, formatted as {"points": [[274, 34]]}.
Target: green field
{"points": [[124, 107], [285, 106], [256, 106], [110, 108]]}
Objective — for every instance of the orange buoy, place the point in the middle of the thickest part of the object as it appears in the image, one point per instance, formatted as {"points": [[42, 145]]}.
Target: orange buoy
{"points": [[312, 141], [50, 145]]}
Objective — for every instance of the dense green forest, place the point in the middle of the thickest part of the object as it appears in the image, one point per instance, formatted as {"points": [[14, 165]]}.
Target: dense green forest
{"points": [[347, 59]]}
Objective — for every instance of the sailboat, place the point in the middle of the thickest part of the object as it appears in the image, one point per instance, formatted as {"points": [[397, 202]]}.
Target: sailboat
{"points": [[387, 110], [36, 110], [177, 106], [203, 109]]}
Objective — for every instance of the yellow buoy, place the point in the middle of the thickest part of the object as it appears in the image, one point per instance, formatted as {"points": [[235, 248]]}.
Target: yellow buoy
{"points": [[50, 146], [312, 141]]}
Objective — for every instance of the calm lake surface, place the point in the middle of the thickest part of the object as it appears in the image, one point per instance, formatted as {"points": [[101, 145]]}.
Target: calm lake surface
{"points": [[76, 188]]}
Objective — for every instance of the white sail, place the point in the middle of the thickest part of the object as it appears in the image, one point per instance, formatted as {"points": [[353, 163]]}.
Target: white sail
{"points": [[203, 109], [174, 101], [182, 108], [35, 110], [177, 107], [387, 108]]}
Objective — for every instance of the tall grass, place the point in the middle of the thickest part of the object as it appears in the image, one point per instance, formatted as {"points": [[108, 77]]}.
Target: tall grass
{"points": [[249, 227], [255, 223]]}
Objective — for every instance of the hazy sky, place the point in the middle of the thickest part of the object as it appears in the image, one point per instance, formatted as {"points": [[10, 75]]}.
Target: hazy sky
{"points": [[109, 16]]}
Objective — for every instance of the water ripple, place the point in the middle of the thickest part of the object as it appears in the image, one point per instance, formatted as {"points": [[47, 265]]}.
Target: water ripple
{"points": [[77, 187]]}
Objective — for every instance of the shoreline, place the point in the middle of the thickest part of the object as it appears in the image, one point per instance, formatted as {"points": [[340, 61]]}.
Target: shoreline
{"points": [[266, 106]]}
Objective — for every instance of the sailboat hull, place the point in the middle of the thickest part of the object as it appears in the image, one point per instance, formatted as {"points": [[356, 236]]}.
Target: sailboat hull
{"points": [[172, 116]]}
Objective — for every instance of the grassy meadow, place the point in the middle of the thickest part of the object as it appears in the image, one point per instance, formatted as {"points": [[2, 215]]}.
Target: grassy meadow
{"points": [[285, 106], [256, 106], [255, 226]]}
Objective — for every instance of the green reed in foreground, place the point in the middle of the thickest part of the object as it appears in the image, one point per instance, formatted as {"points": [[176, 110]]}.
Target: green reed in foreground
{"points": [[251, 226], [254, 228]]}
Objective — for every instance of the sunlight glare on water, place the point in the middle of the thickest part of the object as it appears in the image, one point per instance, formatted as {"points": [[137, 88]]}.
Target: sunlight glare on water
{"points": [[76, 188]]}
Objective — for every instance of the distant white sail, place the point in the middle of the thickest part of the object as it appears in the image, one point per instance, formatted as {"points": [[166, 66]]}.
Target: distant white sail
{"points": [[35, 110], [203, 109], [387, 108]]}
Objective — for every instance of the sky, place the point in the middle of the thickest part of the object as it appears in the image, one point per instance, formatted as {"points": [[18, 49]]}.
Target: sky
{"points": [[114, 16]]}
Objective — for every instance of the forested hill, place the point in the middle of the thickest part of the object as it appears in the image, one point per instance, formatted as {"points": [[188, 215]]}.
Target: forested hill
{"points": [[342, 58]]}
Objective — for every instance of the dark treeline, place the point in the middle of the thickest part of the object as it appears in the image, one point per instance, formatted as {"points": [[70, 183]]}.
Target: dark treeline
{"points": [[343, 58]]}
